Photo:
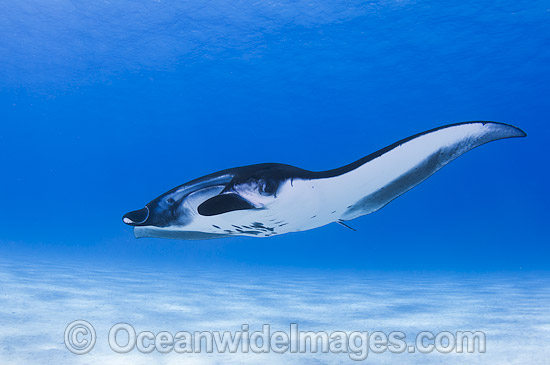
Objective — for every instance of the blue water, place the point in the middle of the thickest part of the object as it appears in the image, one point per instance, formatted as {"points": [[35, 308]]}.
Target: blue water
{"points": [[106, 105]]}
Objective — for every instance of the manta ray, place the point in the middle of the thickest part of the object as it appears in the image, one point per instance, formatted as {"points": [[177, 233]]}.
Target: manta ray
{"points": [[270, 199]]}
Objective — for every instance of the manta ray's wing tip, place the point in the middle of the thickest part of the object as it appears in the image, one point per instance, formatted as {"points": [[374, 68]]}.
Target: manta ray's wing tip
{"points": [[507, 130]]}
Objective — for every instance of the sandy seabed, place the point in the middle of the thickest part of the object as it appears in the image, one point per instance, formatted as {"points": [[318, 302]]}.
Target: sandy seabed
{"points": [[38, 301]]}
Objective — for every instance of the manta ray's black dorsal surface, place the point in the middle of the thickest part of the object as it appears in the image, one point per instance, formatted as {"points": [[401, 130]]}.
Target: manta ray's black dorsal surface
{"points": [[269, 199]]}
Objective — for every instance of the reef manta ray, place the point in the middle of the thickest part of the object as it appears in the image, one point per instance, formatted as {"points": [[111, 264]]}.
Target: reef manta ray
{"points": [[270, 199]]}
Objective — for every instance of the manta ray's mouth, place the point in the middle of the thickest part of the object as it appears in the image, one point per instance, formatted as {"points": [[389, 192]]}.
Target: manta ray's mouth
{"points": [[136, 217]]}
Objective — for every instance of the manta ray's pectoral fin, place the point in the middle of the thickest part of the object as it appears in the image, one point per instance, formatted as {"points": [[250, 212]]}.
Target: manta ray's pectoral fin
{"points": [[392, 171], [224, 203]]}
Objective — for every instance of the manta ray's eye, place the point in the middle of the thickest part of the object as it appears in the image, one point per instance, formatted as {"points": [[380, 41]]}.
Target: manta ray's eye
{"points": [[170, 201], [267, 187]]}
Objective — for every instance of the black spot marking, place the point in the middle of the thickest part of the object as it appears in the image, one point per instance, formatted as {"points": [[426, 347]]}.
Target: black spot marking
{"points": [[313, 217], [259, 225], [333, 212], [228, 231], [236, 226], [284, 224], [215, 226], [249, 232]]}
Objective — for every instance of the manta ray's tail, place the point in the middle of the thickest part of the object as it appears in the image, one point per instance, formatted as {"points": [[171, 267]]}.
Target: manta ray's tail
{"points": [[392, 171]]}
